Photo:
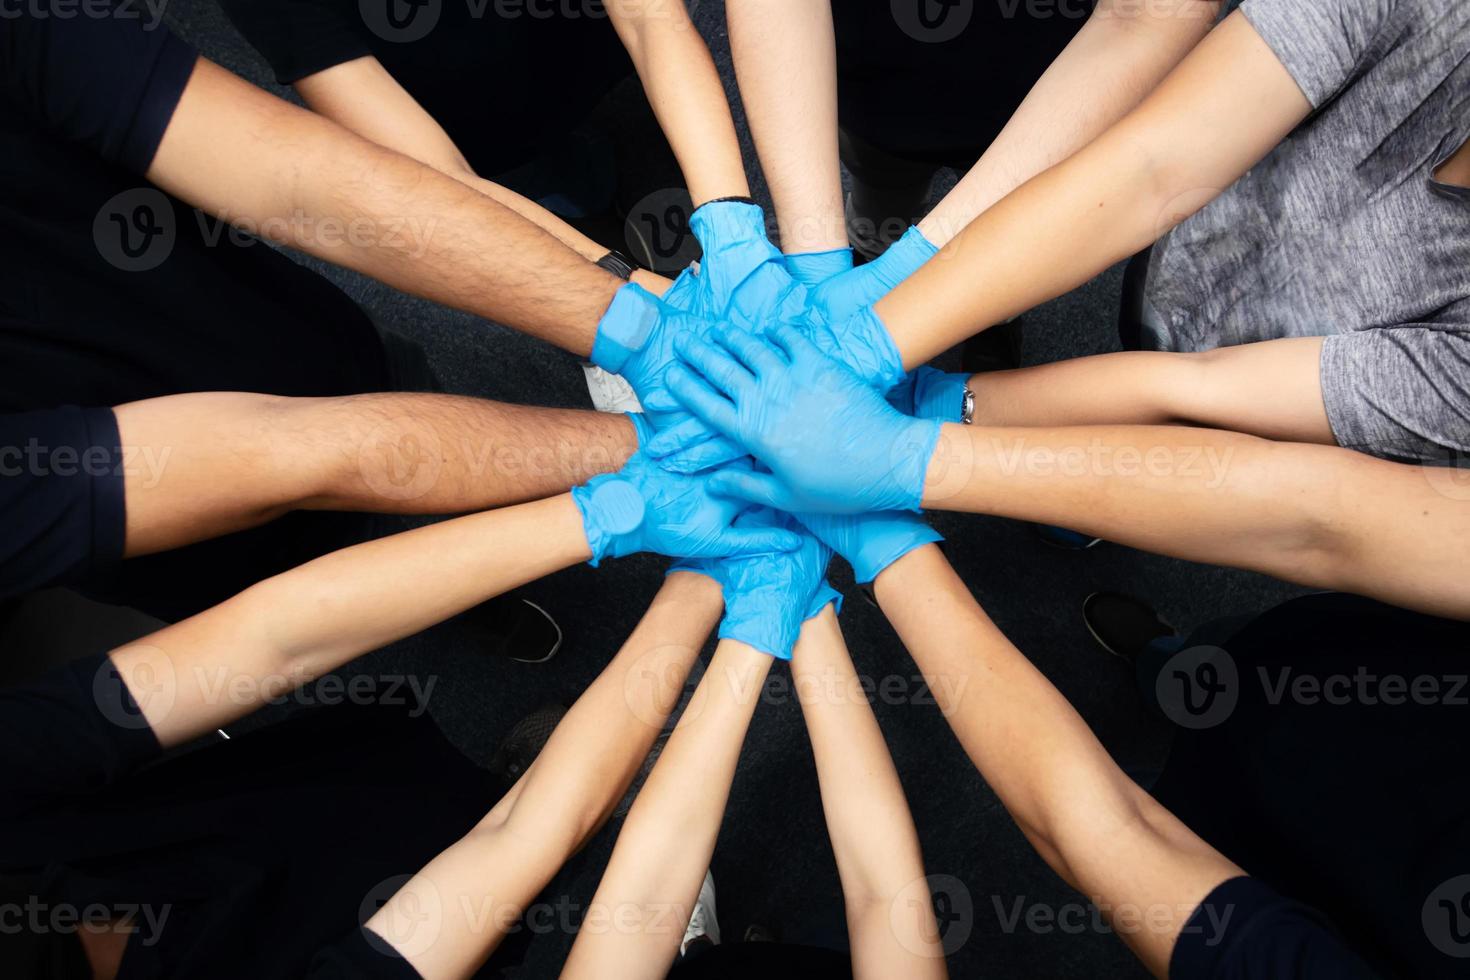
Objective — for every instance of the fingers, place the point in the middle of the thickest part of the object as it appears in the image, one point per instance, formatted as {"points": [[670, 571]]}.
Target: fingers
{"points": [[794, 342], [714, 452], [659, 400], [677, 437], [726, 374], [756, 488], [753, 352], [695, 394], [762, 541]]}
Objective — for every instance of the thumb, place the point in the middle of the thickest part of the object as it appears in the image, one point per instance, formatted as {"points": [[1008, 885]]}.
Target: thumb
{"points": [[762, 489]]}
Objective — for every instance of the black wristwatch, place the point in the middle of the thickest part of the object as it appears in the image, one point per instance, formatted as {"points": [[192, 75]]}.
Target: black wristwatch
{"points": [[618, 264]]}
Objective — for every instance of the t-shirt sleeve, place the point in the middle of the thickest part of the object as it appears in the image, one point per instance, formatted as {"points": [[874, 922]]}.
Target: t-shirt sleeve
{"points": [[361, 956], [1245, 930], [301, 37], [1323, 44], [109, 83], [71, 733], [61, 491], [1400, 392]]}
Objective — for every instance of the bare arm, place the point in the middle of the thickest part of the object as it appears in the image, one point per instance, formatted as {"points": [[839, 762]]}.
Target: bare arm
{"points": [[1086, 818], [362, 96], [1222, 110], [214, 463], [786, 61], [1121, 54], [1271, 389], [890, 912], [1316, 515], [214, 668], [638, 915], [685, 90], [289, 175], [483, 883]]}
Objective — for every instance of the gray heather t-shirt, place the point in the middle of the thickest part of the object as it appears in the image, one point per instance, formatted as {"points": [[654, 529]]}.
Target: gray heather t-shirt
{"points": [[1341, 232]]}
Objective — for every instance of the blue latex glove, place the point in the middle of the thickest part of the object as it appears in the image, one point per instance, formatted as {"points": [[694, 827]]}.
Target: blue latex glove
{"points": [[635, 340], [768, 597], [871, 542], [645, 507], [644, 429], [861, 342], [842, 297], [812, 268], [743, 278], [833, 445], [929, 393]]}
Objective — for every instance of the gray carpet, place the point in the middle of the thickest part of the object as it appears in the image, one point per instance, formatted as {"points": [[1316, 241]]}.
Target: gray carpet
{"points": [[773, 865]]}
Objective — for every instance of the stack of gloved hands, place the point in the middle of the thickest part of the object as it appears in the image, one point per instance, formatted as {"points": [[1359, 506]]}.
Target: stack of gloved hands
{"points": [[779, 425]]}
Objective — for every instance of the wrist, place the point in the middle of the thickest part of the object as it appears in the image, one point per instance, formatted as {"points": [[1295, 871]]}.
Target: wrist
{"points": [[951, 468], [612, 511], [813, 267], [625, 328]]}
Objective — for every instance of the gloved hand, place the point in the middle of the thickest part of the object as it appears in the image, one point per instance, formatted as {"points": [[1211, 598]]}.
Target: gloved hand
{"points": [[635, 340], [768, 597], [813, 268], [929, 393], [643, 429], [842, 296], [832, 443], [742, 278], [871, 542], [645, 507]]}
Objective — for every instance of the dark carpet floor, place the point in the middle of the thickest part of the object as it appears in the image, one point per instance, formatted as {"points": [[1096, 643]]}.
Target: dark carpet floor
{"points": [[773, 865]]}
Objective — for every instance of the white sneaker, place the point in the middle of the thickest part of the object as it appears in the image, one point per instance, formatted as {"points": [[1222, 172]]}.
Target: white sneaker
{"points": [[704, 922]]}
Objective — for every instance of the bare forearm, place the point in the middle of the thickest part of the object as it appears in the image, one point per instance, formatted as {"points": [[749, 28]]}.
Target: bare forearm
{"points": [[685, 90], [786, 61], [295, 627], [579, 776], [223, 462], [651, 882], [1314, 515], [1088, 820], [1218, 113], [294, 177], [890, 914], [1270, 389], [1119, 56]]}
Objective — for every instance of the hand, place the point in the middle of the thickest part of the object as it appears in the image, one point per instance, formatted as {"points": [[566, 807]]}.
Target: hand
{"points": [[871, 542], [928, 393], [645, 507], [742, 278], [635, 340], [841, 297], [768, 597], [832, 443], [812, 268]]}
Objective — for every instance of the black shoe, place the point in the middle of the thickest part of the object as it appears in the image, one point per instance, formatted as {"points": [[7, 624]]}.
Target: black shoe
{"points": [[515, 753], [1122, 625], [997, 349], [516, 629]]}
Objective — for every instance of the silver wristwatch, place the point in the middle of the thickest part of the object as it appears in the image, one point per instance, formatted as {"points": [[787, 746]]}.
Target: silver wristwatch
{"points": [[967, 407]]}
